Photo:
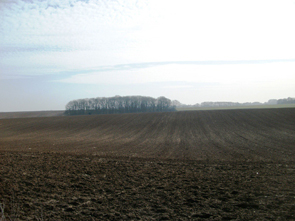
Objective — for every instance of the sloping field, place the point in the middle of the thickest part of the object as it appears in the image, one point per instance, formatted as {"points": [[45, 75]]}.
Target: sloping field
{"points": [[194, 165], [261, 134], [29, 114]]}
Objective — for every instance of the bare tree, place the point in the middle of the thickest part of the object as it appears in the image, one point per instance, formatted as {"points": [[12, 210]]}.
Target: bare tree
{"points": [[118, 104]]}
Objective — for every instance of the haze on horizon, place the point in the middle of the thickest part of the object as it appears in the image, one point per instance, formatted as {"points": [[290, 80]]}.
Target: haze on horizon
{"points": [[55, 51]]}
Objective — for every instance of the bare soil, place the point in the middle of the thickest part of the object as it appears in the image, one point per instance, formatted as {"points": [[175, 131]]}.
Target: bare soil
{"points": [[195, 165], [29, 114]]}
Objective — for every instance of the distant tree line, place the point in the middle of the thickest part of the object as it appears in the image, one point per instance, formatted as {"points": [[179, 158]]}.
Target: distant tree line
{"points": [[118, 105], [288, 100]]}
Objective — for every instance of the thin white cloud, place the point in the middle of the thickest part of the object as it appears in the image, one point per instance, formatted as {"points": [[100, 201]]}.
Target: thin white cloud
{"points": [[177, 86], [86, 33], [269, 72], [156, 30]]}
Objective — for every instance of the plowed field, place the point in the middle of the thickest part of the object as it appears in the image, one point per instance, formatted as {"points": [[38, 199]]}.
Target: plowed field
{"points": [[215, 165], [30, 114]]}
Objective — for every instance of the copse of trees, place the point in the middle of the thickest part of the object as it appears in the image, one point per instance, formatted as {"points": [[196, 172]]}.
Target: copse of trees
{"points": [[118, 104], [288, 100]]}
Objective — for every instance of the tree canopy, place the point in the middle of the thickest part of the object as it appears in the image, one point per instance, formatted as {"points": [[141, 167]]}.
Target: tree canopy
{"points": [[118, 104]]}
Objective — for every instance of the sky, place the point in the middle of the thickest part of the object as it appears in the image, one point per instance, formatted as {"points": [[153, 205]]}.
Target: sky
{"points": [[52, 52]]}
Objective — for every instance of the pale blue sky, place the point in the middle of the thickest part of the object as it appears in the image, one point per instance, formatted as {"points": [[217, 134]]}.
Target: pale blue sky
{"points": [[54, 51]]}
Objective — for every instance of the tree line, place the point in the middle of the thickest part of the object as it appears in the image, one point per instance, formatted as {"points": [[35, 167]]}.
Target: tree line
{"points": [[288, 100], [118, 105]]}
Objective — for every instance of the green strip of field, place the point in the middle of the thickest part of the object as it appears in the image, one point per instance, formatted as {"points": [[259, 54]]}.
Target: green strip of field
{"points": [[236, 107]]}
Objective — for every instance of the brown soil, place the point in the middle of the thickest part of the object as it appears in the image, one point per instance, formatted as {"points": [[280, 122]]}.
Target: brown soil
{"points": [[28, 114], [215, 165]]}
